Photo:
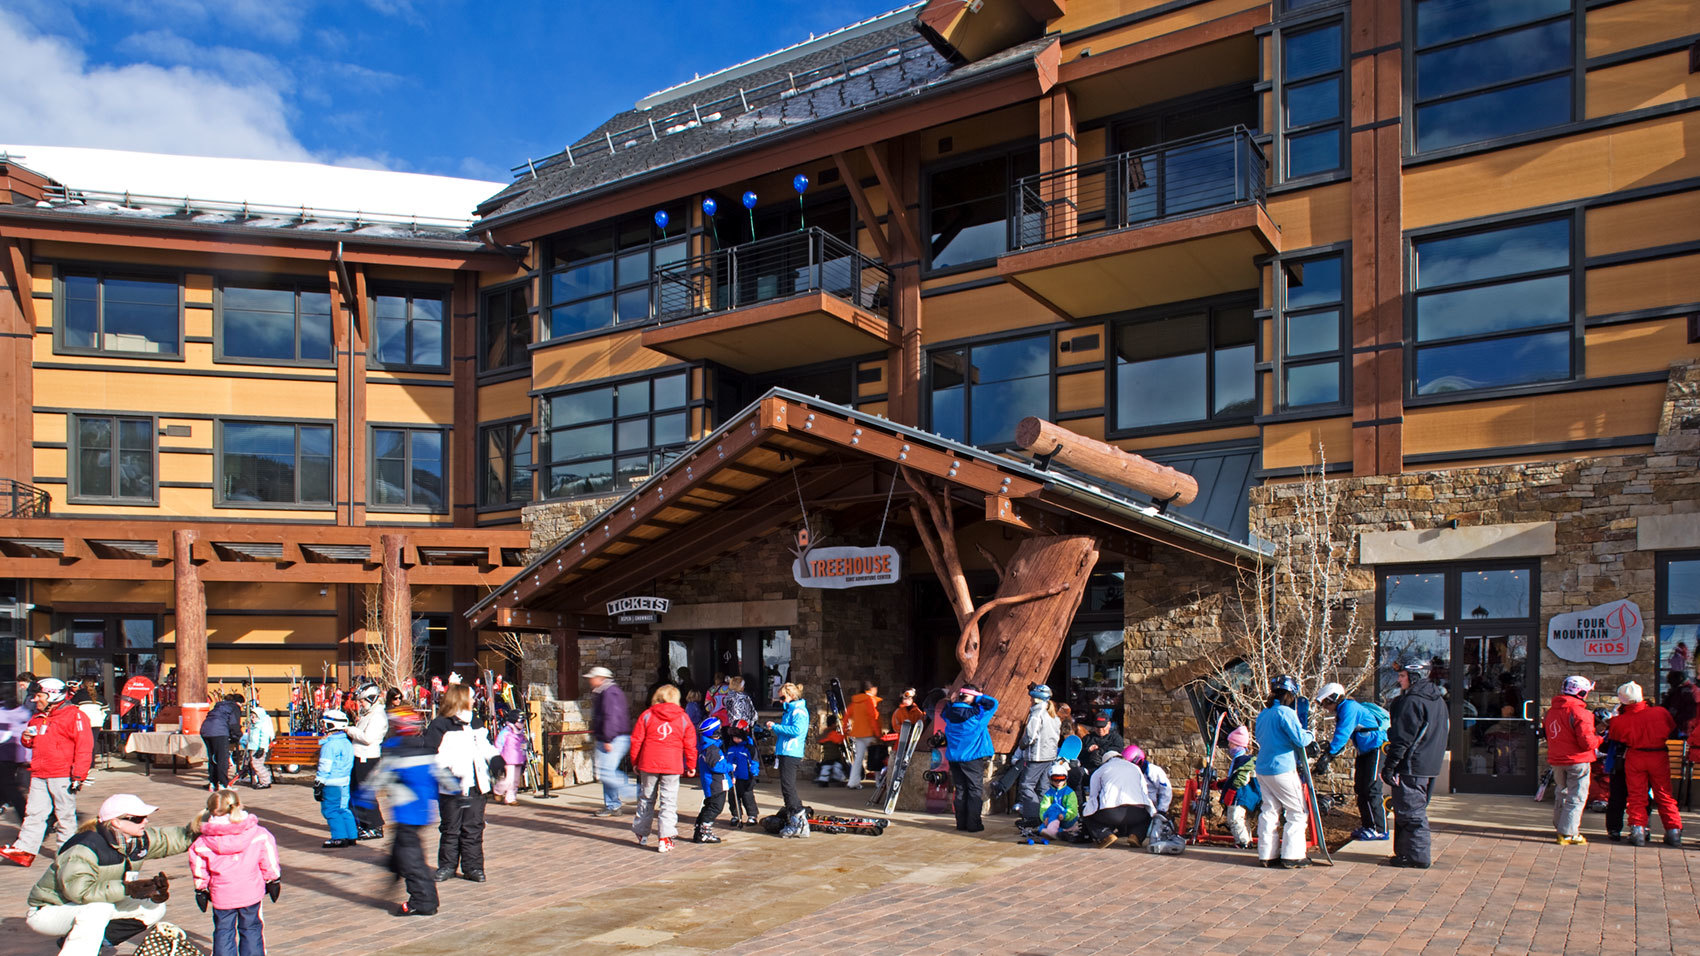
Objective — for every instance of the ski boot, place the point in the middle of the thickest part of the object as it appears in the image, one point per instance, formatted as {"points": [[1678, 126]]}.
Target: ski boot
{"points": [[791, 828], [1673, 836], [705, 834], [1637, 836], [803, 823]]}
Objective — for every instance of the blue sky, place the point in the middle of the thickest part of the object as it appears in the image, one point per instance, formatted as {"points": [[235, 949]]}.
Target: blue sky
{"points": [[432, 86]]}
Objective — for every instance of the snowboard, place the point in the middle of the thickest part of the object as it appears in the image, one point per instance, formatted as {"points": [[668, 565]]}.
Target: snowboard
{"points": [[908, 741], [1070, 749], [1205, 777], [939, 789], [1313, 808]]}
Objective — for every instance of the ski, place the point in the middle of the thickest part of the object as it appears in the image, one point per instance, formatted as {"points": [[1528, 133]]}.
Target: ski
{"points": [[1204, 779], [830, 823], [1312, 808], [835, 703]]}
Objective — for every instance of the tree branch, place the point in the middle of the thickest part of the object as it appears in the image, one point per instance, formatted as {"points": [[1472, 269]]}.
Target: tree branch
{"points": [[997, 565]]}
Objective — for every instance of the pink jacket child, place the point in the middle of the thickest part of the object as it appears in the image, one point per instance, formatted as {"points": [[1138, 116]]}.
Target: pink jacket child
{"points": [[510, 743], [233, 860]]}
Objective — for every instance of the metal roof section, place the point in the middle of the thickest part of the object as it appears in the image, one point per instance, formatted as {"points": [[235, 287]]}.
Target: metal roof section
{"points": [[1092, 497]]}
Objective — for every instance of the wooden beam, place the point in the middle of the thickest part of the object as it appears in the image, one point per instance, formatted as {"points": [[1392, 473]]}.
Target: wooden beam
{"points": [[1000, 510], [190, 606], [864, 208], [252, 572], [397, 605], [18, 279], [1104, 460], [463, 362], [896, 210]]}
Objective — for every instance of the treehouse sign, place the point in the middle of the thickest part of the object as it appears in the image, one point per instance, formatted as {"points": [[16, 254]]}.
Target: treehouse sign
{"points": [[1608, 634], [846, 567]]}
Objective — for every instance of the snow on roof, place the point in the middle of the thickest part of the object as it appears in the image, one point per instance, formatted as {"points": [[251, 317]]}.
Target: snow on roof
{"points": [[267, 182]]}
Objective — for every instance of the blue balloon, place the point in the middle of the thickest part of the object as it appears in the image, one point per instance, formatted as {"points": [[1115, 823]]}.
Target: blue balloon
{"points": [[749, 199], [661, 219], [799, 182], [709, 206]]}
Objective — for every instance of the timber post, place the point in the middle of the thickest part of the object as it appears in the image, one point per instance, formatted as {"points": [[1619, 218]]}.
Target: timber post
{"points": [[1103, 460], [397, 606], [190, 601]]}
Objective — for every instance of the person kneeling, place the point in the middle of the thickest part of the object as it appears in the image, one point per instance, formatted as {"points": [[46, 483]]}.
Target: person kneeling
{"points": [[1124, 795]]}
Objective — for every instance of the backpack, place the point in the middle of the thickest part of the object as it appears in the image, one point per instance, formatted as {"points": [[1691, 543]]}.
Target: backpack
{"points": [[1383, 720]]}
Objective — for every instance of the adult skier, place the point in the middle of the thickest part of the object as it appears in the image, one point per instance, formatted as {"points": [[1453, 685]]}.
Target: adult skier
{"points": [[1416, 749], [1364, 728], [1280, 742], [1042, 735], [367, 735], [968, 745], [1571, 747], [61, 742]]}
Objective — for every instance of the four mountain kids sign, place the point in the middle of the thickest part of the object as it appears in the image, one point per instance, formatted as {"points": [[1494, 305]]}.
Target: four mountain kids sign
{"points": [[1608, 634], [846, 567]]}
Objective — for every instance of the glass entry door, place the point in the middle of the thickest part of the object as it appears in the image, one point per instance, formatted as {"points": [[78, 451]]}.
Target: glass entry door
{"points": [[105, 651], [1494, 714]]}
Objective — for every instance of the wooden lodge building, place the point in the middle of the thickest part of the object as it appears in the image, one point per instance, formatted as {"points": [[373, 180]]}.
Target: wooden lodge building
{"points": [[1450, 249]]}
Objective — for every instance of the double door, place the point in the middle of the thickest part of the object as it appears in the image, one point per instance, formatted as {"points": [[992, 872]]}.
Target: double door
{"points": [[1492, 684], [104, 651]]}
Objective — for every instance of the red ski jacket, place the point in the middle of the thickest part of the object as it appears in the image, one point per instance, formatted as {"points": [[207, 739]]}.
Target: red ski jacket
{"points": [[63, 745], [1642, 727], [663, 741], [1570, 732]]}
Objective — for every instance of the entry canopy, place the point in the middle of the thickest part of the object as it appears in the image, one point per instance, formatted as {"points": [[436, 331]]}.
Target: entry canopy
{"points": [[745, 480]]}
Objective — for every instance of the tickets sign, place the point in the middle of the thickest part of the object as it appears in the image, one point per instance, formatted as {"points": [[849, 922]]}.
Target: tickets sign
{"points": [[847, 567], [638, 610], [1608, 634]]}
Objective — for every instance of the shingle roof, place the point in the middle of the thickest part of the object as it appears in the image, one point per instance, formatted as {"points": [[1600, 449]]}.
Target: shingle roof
{"points": [[861, 73]]}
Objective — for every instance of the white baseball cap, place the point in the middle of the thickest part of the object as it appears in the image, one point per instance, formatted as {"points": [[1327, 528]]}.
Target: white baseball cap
{"points": [[600, 672], [124, 805]]}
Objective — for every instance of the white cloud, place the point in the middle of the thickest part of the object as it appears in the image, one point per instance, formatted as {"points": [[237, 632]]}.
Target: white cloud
{"points": [[243, 67], [177, 109]]}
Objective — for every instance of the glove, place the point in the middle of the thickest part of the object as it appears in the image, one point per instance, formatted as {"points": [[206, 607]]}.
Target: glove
{"points": [[1320, 767], [202, 897], [273, 888], [1391, 779], [74, 786], [1312, 750], [161, 888], [319, 792], [140, 889]]}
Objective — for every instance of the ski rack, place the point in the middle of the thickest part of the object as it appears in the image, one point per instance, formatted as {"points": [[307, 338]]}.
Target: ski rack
{"points": [[1190, 800]]}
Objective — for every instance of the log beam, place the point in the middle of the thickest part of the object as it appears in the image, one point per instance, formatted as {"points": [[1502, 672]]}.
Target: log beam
{"points": [[1103, 460], [190, 601], [397, 604]]}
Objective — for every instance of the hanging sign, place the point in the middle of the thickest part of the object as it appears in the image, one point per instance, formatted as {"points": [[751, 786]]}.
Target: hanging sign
{"points": [[638, 610], [847, 567], [1608, 634]]}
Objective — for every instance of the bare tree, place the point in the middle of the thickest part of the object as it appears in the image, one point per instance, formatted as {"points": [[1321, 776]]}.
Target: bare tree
{"points": [[382, 666]]}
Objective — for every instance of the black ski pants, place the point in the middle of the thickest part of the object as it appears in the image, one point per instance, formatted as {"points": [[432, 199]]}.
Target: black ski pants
{"points": [[1410, 818], [365, 818], [744, 798], [969, 777], [11, 794], [1366, 781], [712, 804], [788, 784], [462, 833], [1127, 820], [218, 759], [407, 862], [1617, 798]]}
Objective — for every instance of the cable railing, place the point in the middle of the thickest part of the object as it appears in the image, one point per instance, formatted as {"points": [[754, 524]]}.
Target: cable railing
{"points": [[1180, 178], [809, 260], [246, 211], [18, 500]]}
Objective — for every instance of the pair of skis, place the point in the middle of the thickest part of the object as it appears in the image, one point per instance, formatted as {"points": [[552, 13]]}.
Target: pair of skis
{"points": [[830, 823], [908, 741]]}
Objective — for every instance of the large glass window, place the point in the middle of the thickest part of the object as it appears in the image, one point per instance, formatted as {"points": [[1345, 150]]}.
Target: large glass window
{"points": [[274, 323], [979, 392], [1313, 333], [1486, 70], [114, 458], [407, 468], [430, 646], [606, 439], [1419, 610], [968, 208], [507, 465], [1493, 308], [275, 463], [1192, 366], [1313, 100], [1677, 610], [409, 330], [504, 327], [601, 276], [119, 314]]}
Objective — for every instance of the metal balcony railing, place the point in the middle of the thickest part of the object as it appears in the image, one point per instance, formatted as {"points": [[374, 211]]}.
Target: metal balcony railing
{"points": [[1142, 186], [810, 260], [18, 500]]}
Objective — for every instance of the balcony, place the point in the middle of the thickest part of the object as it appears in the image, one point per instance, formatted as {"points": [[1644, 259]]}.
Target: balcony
{"points": [[1177, 221], [774, 303], [18, 500]]}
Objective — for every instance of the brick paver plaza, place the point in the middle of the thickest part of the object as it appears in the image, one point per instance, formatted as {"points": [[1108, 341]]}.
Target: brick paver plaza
{"points": [[564, 882]]}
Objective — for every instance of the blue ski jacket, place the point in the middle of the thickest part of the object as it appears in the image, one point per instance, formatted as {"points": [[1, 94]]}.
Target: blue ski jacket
{"points": [[408, 775], [792, 730], [1279, 738], [336, 760], [741, 753], [966, 733], [713, 766], [1354, 723]]}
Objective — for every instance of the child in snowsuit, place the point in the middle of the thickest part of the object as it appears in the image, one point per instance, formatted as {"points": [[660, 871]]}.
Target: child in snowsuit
{"points": [[330, 784], [1059, 808], [257, 740], [408, 775], [510, 743], [716, 772], [1239, 790], [833, 766], [740, 752], [234, 864], [1643, 730]]}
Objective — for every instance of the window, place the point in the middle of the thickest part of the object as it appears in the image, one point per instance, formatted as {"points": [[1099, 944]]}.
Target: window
{"points": [[968, 207], [274, 463], [601, 276], [1492, 308], [114, 458], [408, 330], [507, 465], [118, 314], [504, 327], [1487, 70], [606, 439], [1313, 334], [277, 323], [430, 645], [407, 468], [980, 392], [1677, 610], [1194, 366], [1313, 100], [1418, 611]]}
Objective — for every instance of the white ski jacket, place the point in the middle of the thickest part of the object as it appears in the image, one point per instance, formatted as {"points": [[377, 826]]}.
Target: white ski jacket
{"points": [[465, 755], [1044, 733], [1117, 783], [367, 734]]}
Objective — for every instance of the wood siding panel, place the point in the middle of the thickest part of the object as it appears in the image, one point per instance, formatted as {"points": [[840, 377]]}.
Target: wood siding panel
{"points": [[505, 400], [52, 249], [1180, 19], [197, 468], [1080, 391], [1295, 444], [1645, 224], [1631, 86], [876, 374], [1644, 285], [1511, 422], [605, 356], [1313, 217], [404, 403], [1638, 23], [1177, 439], [1090, 427], [1658, 150], [974, 133], [134, 388], [976, 312], [1638, 347], [874, 408]]}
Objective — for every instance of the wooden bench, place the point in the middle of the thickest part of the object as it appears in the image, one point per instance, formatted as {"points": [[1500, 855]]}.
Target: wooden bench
{"points": [[293, 751], [1681, 772]]}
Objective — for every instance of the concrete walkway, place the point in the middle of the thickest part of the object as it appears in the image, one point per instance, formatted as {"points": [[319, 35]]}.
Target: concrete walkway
{"points": [[563, 881]]}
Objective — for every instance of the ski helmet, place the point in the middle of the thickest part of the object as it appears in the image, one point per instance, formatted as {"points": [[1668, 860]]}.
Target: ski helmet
{"points": [[710, 727], [334, 719], [1059, 770], [1330, 692], [1039, 692], [1416, 667], [370, 692], [1132, 753], [405, 721], [1239, 737], [53, 687], [1578, 686], [1285, 684]]}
